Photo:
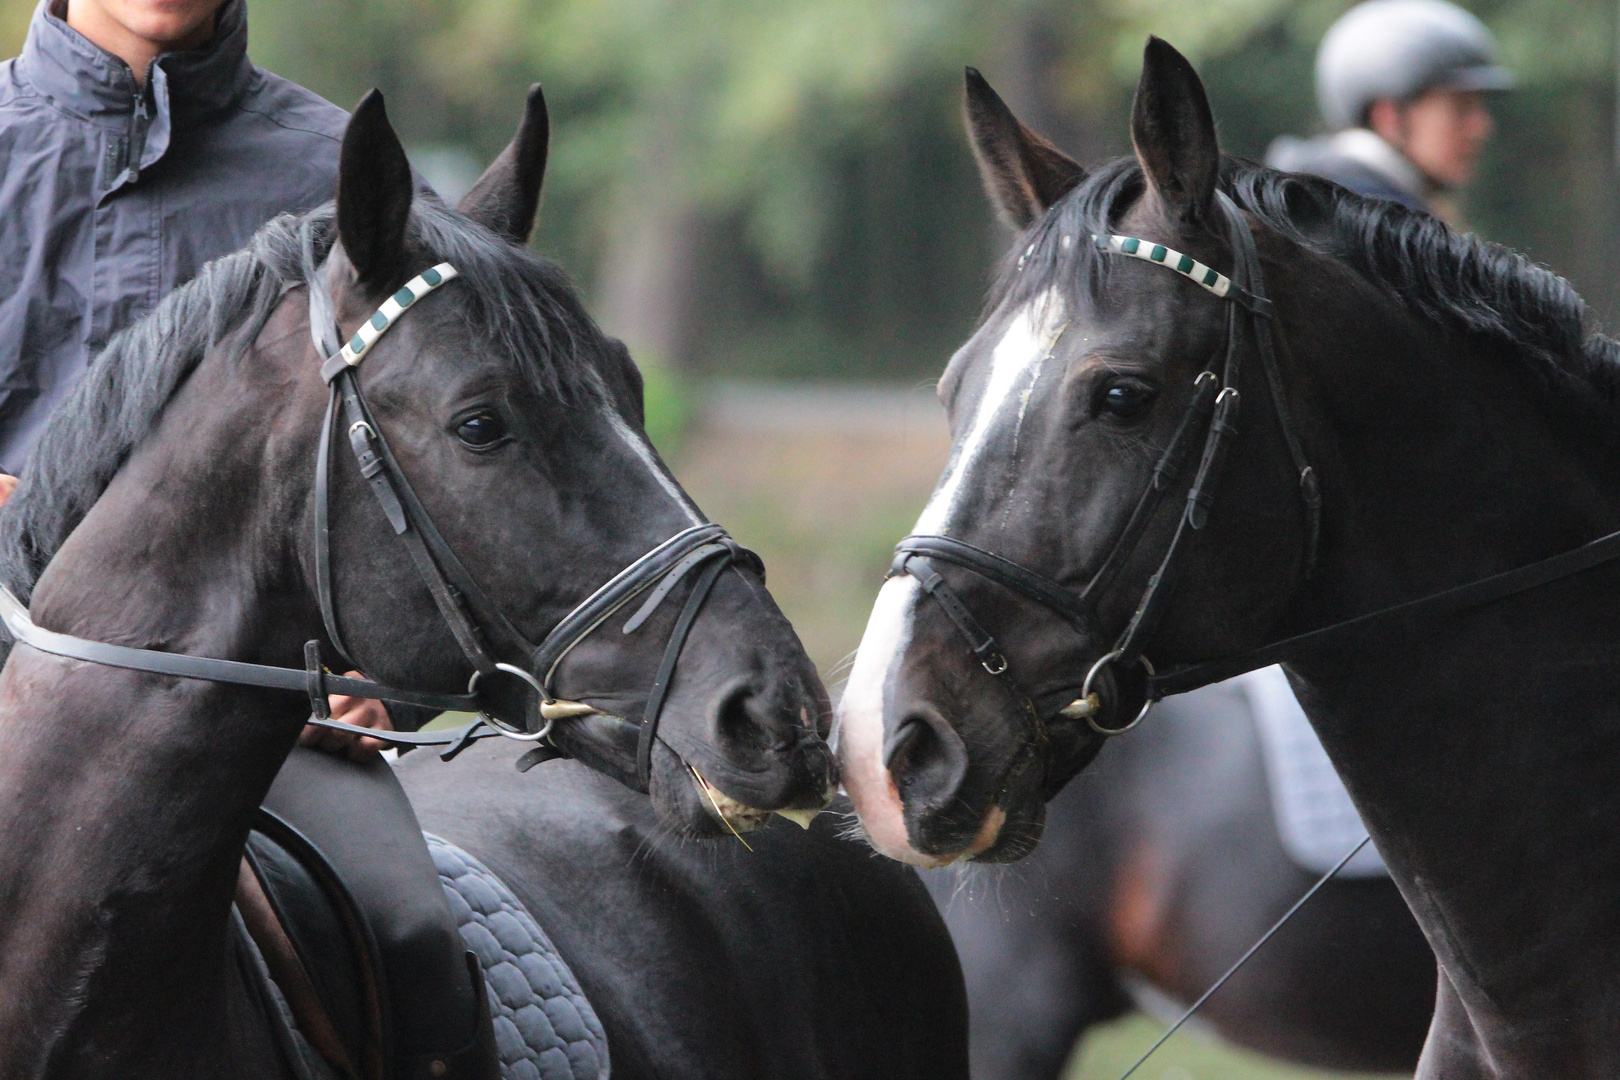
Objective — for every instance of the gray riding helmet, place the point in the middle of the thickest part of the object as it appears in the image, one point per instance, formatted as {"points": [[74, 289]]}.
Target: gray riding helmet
{"points": [[1399, 49]]}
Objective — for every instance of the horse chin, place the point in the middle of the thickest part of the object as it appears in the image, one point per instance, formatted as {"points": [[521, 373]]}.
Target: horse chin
{"points": [[685, 799], [734, 816], [687, 803], [1005, 838]]}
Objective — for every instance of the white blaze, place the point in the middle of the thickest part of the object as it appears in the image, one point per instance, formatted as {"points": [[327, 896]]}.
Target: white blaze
{"points": [[643, 451], [1015, 364]]}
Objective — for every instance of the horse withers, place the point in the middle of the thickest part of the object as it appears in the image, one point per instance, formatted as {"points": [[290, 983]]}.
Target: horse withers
{"points": [[172, 507], [1406, 411]]}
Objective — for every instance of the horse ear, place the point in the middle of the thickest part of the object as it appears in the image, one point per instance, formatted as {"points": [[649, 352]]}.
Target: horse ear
{"points": [[1174, 132], [506, 197], [374, 194], [1023, 174]]}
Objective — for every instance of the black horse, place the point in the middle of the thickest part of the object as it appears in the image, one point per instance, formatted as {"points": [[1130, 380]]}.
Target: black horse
{"points": [[787, 954], [171, 506], [1419, 410], [1158, 867]]}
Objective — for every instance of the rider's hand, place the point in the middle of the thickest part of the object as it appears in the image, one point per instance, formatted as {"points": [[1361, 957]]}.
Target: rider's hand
{"points": [[8, 484], [361, 712]]}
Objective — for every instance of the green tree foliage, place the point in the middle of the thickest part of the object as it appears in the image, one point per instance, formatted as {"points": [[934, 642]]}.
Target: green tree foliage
{"points": [[812, 152]]}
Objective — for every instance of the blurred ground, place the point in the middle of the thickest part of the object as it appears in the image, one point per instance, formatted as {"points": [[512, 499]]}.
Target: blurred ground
{"points": [[1189, 1055], [822, 480]]}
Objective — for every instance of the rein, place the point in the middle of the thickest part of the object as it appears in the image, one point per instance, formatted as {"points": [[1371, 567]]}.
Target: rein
{"points": [[1216, 414], [454, 590]]}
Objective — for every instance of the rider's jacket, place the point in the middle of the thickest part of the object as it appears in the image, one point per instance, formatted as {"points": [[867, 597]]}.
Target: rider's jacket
{"points": [[1358, 159], [112, 194]]}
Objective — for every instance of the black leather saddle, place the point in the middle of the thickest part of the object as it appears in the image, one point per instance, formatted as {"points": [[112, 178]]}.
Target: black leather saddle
{"points": [[323, 953]]}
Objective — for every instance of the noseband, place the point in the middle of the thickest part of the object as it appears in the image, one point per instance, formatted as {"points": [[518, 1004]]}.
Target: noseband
{"points": [[705, 548], [1213, 412]]}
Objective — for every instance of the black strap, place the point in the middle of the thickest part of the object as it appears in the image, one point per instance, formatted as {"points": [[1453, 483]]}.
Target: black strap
{"points": [[323, 531], [651, 569], [1003, 572], [978, 639], [1260, 308], [455, 740], [296, 680], [387, 482], [666, 668], [1179, 680]]}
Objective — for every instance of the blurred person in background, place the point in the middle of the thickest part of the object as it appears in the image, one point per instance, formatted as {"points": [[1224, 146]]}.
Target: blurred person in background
{"points": [[138, 143], [1402, 85]]}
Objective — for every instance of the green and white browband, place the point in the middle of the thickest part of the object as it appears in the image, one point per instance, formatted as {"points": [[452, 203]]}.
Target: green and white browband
{"points": [[392, 308], [1185, 265]]}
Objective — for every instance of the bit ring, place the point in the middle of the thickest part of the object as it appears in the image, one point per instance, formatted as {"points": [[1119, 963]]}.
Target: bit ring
{"points": [[1091, 676], [516, 734]]}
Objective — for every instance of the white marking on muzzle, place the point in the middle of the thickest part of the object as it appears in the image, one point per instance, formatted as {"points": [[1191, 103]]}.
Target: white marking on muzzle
{"points": [[1017, 360]]}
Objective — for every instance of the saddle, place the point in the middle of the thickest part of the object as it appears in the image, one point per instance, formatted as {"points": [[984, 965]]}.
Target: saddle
{"points": [[325, 958]]}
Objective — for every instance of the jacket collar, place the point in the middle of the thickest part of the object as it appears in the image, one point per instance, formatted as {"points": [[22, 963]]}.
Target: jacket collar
{"points": [[1366, 147], [85, 79]]}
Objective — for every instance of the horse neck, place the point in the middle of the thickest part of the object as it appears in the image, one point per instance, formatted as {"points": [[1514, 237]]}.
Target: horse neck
{"points": [[1478, 747], [126, 798]]}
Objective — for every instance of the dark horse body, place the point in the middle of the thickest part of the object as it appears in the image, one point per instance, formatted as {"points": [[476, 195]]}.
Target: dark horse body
{"points": [[169, 506], [796, 956], [1461, 424], [1158, 867]]}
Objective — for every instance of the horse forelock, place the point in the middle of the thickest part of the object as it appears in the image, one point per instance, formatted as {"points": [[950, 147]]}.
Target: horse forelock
{"points": [[1455, 280], [515, 303]]}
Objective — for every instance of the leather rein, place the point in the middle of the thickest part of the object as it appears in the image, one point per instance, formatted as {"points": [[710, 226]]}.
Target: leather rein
{"points": [[705, 548], [1216, 414]]}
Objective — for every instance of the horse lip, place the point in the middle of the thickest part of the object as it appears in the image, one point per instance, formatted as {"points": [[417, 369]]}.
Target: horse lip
{"points": [[735, 815]]}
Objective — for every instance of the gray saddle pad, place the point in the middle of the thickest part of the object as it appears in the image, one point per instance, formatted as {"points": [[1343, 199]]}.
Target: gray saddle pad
{"points": [[545, 1029], [1315, 817]]}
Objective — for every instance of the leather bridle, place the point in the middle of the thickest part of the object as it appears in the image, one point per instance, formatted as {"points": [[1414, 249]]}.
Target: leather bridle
{"points": [[916, 555], [705, 548], [1212, 412]]}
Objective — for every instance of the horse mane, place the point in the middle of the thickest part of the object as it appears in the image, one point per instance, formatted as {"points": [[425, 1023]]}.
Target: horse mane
{"points": [[1454, 280], [521, 305]]}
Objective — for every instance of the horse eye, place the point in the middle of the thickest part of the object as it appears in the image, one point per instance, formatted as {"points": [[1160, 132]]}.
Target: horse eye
{"points": [[481, 430], [1127, 400]]}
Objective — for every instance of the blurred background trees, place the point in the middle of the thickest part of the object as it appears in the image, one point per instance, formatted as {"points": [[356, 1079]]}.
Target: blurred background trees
{"points": [[755, 189]]}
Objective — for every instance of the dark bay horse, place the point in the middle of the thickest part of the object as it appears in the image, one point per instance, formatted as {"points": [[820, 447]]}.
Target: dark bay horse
{"points": [[1420, 410], [170, 506], [1159, 865]]}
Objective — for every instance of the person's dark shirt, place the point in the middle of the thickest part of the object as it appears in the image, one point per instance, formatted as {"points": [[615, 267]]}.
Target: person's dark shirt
{"points": [[112, 194]]}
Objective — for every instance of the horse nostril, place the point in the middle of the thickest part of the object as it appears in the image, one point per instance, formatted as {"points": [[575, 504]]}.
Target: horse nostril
{"points": [[927, 759], [742, 723]]}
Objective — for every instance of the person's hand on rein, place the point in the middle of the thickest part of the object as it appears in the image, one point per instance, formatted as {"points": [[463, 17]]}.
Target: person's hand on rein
{"points": [[361, 712], [8, 484]]}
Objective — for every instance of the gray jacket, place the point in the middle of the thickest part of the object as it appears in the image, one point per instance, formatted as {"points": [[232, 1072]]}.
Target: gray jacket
{"points": [[111, 195]]}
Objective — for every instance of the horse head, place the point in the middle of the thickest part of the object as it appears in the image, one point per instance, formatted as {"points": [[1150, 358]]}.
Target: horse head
{"points": [[521, 425], [1027, 608]]}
